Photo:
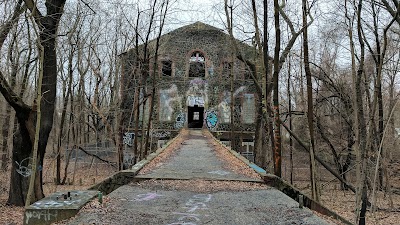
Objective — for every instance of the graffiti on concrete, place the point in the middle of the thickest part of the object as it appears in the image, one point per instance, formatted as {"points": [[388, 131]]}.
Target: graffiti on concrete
{"points": [[194, 204], [146, 197], [128, 138], [211, 120], [180, 121], [45, 215]]}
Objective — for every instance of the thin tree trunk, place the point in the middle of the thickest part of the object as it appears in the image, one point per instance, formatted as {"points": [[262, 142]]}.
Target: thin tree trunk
{"points": [[310, 110], [289, 96], [63, 115], [6, 125], [33, 177], [277, 131]]}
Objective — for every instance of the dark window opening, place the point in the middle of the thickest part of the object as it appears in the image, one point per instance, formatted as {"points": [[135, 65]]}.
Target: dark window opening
{"points": [[195, 117], [166, 69], [197, 65], [197, 70]]}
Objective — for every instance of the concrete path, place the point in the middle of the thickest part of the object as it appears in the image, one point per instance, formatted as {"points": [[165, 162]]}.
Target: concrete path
{"points": [[196, 159], [212, 195]]}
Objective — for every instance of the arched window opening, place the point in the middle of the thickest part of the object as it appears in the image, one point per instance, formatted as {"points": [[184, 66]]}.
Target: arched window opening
{"points": [[197, 65], [166, 68]]}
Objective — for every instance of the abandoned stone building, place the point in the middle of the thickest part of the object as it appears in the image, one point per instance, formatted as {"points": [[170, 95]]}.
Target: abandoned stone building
{"points": [[193, 86]]}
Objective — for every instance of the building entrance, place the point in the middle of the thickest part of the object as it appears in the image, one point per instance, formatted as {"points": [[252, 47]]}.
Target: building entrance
{"points": [[195, 117]]}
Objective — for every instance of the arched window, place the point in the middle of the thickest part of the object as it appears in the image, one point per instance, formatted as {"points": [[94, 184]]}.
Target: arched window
{"points": [[197, 66]]}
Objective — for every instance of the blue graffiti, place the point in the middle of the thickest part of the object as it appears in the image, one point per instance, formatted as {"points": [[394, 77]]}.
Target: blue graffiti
{"points": [[211, 120], [180, 121]]}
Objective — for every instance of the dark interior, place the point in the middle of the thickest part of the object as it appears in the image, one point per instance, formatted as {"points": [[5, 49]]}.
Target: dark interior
{"points": [[195, 117]]}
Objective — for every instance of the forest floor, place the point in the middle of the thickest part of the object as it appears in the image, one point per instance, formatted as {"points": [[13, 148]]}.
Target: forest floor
{"points": [[342, 202], [85, 177]]}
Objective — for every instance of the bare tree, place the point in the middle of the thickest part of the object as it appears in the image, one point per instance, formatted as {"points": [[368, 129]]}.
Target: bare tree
{"points": [[25, 114]]}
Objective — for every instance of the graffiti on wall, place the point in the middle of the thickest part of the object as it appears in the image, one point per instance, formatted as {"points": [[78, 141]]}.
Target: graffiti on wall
{"points": [[128, 138], [180, 121], [169, 97], [195, 100], [248, 108], [160, 134], [224, 106], [129, 160], [197, 92], [211, 120]]}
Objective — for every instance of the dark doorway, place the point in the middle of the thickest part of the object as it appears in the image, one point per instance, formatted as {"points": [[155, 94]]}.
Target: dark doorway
{"points": [[195, 116]]}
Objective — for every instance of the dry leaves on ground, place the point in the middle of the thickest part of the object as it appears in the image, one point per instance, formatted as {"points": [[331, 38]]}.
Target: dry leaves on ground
{"points": [[201, 186], [230, 161]]}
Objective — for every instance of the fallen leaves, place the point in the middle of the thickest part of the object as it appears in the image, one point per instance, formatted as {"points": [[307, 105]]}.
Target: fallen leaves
{"points": [[200, 186]]}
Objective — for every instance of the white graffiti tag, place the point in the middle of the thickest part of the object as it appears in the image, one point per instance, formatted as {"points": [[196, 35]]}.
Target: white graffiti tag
{"points": [[180, 121], [45, 215], [195, 203], [128, 138], [146, 197], [24, 167]]}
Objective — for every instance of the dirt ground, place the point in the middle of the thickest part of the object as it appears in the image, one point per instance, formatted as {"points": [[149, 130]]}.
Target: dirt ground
{"points": [[342, 202], [85, 177]]}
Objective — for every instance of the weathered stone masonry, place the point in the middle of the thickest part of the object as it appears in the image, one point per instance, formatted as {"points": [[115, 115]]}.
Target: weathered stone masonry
{"points": [[193, 84]]}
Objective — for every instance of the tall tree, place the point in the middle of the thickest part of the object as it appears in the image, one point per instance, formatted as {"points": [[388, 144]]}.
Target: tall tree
{"points": [[26, 115], [362, 128], [310, 105]]}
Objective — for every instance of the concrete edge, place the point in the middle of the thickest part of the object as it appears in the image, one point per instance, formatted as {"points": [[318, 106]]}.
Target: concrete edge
{"points": [[124, 177], [140, 178], [308, 202], [49, 215], [285, 187]]}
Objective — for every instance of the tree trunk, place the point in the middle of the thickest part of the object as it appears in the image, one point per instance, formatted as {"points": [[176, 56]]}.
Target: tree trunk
{"points": [[277, 131], [362, 129], [26, 119], [310, 113]]}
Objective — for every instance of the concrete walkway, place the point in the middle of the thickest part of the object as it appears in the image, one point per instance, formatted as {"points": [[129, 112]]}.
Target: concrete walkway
{"points": [[212, 194], [196, 159]]}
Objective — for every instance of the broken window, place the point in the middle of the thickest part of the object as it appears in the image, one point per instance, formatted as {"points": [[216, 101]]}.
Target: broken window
{"points": [[197, 65], [166, 69]]}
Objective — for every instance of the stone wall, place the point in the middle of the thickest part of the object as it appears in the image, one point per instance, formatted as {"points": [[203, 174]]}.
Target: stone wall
{"points": [[197, 47]]}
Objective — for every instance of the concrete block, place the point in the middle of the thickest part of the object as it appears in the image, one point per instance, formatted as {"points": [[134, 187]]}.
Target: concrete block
{"points": [[57, 206]]}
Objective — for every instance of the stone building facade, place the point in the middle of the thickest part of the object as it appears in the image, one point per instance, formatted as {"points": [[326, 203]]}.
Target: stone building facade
{"points": [[193, 85]]}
